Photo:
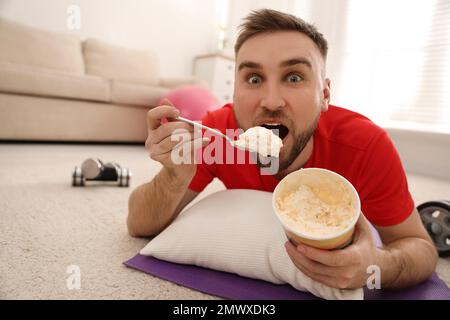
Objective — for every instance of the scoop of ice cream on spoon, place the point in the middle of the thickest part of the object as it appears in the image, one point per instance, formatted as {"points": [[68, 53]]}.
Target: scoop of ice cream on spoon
{"points": [[260, 140], [256, 139]]}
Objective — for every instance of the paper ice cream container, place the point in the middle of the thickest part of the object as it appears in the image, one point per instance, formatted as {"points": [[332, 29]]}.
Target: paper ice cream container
{"points": [[317, 207]]}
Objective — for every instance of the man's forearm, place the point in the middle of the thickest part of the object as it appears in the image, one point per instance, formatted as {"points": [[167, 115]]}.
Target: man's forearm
{"points": [[406, 262], [152, 206]]}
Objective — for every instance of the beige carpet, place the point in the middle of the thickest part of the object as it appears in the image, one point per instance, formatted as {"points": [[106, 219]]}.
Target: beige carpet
{"points": [[47, 225]]}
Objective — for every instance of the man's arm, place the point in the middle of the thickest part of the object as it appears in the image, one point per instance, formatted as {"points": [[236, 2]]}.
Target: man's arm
{"points": [[154, 205], [408, 255], [407, 258]]}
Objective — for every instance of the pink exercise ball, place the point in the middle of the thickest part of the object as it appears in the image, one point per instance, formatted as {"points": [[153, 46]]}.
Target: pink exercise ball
{"points": [[193, 101]]}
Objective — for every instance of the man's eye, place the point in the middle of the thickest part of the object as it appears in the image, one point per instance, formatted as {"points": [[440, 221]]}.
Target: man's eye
{"points": [[294, 78], [254, 79]]}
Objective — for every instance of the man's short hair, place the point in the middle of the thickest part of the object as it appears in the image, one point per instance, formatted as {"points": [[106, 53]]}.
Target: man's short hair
{"points": [[266, 20]]}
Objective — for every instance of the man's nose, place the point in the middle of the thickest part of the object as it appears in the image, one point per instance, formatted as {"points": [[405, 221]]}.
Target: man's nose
{"points": [[272, 98]]}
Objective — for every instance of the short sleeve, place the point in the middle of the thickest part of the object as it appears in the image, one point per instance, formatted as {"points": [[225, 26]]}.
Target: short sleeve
{"points": [[205, 173], [384, 193], [202, 178]]}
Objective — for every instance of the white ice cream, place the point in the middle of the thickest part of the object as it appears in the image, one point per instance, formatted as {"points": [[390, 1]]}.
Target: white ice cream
{"points": [[317, 211], [260, 140]]}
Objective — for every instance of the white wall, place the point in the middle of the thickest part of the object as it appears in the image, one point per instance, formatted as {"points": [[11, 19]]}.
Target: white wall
{"points": [[241, 8], [425, 153], [177, 30]]}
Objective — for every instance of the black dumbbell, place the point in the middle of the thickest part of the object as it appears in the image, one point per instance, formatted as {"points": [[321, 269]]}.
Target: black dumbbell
{"points": [[435, 216], [93, 169]]}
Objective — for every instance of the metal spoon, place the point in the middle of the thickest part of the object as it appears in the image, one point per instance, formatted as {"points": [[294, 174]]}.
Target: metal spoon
{"points": [[217, 132], [198, 125]]}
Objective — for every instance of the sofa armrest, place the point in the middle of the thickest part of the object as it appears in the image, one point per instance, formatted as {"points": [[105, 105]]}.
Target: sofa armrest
{"points": [[176, 82]]}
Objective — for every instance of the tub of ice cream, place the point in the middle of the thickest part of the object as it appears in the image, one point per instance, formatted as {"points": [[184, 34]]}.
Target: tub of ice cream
{"points": [[317, 207]]}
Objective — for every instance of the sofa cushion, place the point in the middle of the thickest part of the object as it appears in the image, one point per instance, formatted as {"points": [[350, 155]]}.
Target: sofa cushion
{"points": [[38, 118], [119, 63], [22, 44], [46, 82], [136, 94], [173, 82]]}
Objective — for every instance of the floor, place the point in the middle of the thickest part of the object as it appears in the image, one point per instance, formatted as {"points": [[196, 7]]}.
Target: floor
{"points": [[46, 225]]}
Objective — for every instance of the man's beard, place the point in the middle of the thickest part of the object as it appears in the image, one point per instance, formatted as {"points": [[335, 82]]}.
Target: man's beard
{"points": [[300, 142]]}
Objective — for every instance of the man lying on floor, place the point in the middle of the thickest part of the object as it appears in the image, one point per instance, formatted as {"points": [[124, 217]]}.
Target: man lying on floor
{"points": [[280, 82]]}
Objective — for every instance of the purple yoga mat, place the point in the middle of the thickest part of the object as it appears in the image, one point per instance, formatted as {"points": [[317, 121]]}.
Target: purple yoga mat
{"points": [[231, 286]]}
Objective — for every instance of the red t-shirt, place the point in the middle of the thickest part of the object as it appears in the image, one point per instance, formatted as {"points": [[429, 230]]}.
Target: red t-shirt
{"points": [[344, 142]]}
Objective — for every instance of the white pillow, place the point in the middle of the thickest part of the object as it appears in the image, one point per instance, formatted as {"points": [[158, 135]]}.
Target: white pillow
{"points": [[237, 231]]}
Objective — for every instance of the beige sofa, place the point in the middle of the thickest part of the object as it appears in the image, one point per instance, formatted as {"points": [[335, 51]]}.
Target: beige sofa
{"points": [[55, 87]]}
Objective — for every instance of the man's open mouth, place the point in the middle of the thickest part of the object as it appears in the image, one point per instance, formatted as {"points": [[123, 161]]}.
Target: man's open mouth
{"points": [[277, 128]]}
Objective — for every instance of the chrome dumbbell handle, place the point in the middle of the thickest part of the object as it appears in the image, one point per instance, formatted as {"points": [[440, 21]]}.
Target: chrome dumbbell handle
{"points": [[124, 177], [77, 177]]}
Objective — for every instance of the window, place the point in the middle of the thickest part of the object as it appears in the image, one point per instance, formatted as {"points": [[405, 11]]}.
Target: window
{"points": [[389, 60]]}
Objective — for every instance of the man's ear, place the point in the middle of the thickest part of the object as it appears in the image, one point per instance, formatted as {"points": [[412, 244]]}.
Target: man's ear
{"points": [[326, 94]]}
